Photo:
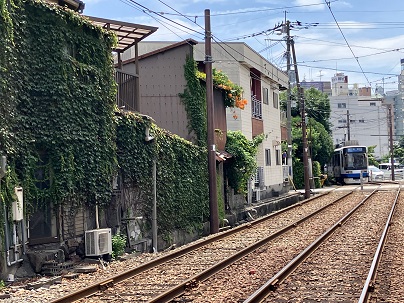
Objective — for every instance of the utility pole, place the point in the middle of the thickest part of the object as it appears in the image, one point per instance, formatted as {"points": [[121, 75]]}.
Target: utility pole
{"points": [[391, 144], [348, 125], [289, 102], [300, 94], [214, 214]]}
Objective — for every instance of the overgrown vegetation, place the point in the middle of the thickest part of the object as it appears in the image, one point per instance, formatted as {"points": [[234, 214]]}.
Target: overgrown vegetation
{"points": [[194, 100], [244, 151], [318, 133], [58, 96], [182, 179], [118, 245], [71, 139], [244, 164]]}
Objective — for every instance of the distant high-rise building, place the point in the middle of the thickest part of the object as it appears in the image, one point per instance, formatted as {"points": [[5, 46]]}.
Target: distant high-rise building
{"points": [[339, 85], [323, 86]]}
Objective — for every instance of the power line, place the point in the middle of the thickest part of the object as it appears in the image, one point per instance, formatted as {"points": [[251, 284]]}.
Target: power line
{"points": [[346, 41], [252, 11], [145, 9]]}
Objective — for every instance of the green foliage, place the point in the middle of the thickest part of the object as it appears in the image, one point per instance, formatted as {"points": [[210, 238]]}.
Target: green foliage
{"points": [[233, 93], [57, 95], [298, 173], [371, 156], [194, 99], [319, 142], [317, 105], [318, 132], [182, 177], [316, 174], [118, 245], [243, 165]]}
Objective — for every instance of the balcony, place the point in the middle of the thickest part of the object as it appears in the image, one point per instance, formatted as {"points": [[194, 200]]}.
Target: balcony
{"points": [[127, 94], [256, 107]]}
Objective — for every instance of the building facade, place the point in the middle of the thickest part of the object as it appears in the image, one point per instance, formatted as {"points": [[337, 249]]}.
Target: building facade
{"points": [[356, 115], [262, 83]]}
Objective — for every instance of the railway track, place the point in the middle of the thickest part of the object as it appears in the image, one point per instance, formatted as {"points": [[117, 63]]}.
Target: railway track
{"points": [[384, 283], [337, 270], [153, 281], [232, 266]]}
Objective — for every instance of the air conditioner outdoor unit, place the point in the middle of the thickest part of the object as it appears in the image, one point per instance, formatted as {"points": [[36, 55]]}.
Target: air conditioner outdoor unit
{"points": [[98, 242]]}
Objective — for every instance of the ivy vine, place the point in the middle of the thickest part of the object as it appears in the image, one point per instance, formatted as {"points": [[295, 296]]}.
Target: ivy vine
{"points": [[182, 190], [194, 100], [244, 163], [58, 94]]}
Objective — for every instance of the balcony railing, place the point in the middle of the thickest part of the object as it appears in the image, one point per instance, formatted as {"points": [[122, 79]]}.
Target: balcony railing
{"points": [[256, 107], [127, 93]]}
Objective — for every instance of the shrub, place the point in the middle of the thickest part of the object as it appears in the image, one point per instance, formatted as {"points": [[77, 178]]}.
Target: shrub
{"points": [[118, 245]]}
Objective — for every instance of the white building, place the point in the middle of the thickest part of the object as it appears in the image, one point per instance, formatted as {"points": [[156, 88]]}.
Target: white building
{"points": [[355, 115], [261, 82]]}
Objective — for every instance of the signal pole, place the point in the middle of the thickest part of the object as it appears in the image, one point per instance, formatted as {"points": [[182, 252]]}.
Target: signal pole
{"points": [[300, 95], [214, 213]]}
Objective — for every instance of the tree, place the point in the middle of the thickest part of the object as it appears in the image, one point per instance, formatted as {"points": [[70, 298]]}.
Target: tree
{"points": [[318, 126], [371, 156], [317, 105]]}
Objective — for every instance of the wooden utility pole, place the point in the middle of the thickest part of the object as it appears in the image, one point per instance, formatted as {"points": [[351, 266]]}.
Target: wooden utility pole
{"points": [[300, 95], [214, 214]]}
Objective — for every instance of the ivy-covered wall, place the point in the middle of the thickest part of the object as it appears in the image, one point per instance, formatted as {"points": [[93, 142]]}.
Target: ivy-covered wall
{"points": [[62, 134], [181, 181]]}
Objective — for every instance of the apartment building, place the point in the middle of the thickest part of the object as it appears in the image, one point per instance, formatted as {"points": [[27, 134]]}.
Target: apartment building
{"points": [[357, 115]]}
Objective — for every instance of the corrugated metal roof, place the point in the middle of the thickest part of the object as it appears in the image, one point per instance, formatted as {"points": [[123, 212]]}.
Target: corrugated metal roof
{"points": [[128, 33]]}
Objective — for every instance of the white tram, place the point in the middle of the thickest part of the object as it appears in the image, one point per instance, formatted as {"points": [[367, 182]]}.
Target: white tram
{"points": [[349, 164]]}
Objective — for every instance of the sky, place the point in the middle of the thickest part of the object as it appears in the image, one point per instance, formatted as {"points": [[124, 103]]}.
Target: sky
{"points": [[364, 39]]}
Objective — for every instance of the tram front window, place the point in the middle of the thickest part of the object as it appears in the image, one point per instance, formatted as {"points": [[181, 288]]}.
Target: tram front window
{"points": [[355, 161]]}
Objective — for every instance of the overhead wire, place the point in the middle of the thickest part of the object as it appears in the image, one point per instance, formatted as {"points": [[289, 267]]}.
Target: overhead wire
{"points": [[360, 66], [255, 11]]}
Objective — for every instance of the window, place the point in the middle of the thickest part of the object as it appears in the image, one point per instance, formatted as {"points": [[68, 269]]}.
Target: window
{"points": [[372, 104], [341, 105], [268, 157], [362, 120], [278, 157], [342, 121], [352, 121], [265, 95], [256, 107], [276, 100]]}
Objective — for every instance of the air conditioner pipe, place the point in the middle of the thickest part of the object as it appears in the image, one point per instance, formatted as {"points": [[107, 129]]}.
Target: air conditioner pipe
{"points": [[7, 240], [97, 223], [16, 253]]}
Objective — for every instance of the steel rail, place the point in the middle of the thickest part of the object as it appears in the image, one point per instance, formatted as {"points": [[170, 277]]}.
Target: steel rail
{"points": [[195, 280], [271, 285], [369, 283], [109, 282]]}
